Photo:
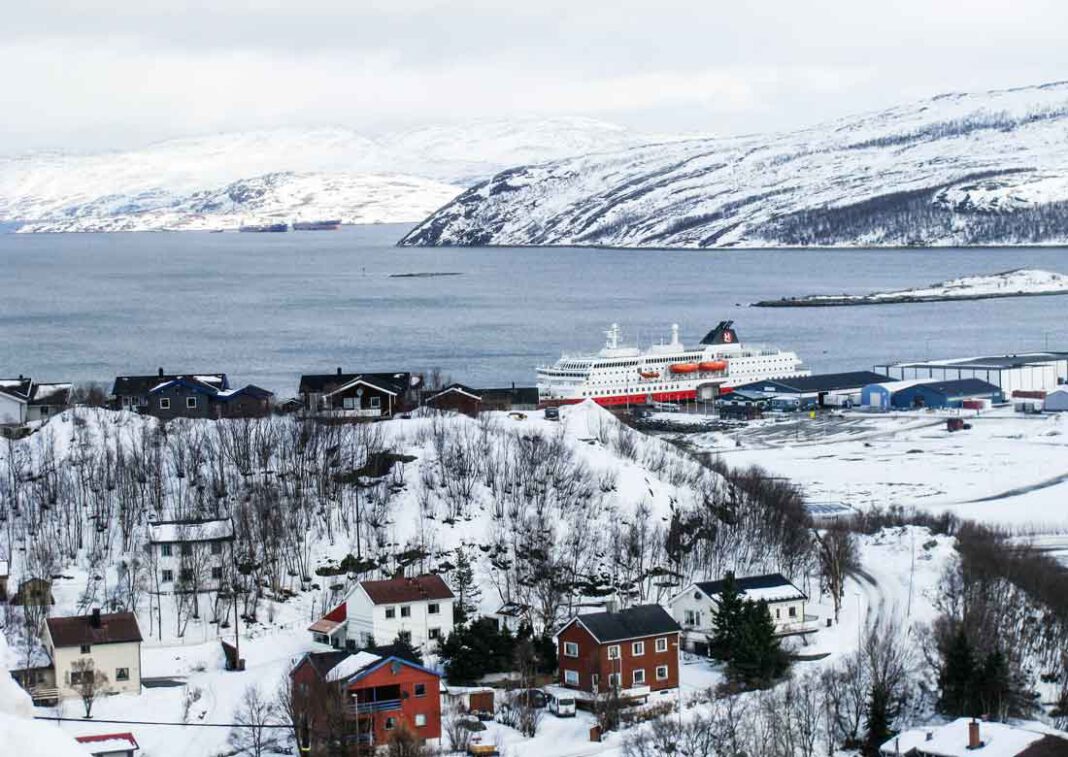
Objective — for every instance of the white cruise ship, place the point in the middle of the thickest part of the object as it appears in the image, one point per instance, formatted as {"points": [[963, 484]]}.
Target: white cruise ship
{"points": [[620, 375]]}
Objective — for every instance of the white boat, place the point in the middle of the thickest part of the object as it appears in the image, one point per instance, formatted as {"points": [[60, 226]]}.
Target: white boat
{"points": [[672, 372]]}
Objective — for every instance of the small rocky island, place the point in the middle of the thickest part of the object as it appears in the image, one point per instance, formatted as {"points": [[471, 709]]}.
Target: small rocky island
{"points": [[1022, 282]]}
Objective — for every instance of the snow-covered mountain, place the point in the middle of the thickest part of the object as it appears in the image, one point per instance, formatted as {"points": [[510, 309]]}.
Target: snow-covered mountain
{"points": [[958, 169], [223, 180]]}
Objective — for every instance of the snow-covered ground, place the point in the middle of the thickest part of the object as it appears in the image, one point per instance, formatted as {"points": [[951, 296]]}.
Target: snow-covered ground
{"points": [[220, 181], [1021, 282], [864, 460], [1009, 469], [950, 170]]}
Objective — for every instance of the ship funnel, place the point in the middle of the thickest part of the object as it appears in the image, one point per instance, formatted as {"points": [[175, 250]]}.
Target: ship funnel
{"points": [[674, 333]]}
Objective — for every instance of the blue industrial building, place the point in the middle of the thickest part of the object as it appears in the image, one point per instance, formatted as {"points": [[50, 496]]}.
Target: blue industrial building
{"points": [[904, 395]]}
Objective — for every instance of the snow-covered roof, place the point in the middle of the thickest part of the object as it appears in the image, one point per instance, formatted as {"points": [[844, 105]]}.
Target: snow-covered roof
{"points": [[772, 587], [951, 740], [108, 743], [44, 392], [179, 531], [350, 665]]}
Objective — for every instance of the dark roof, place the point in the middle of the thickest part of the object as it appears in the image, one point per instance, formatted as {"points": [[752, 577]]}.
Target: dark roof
{"points": [[114, 628], [138, 386], [394, 590], [1047, 746], [51, 394], [250, 390], [324, 662], [746, 583], [517, 395], [324, 383], [189, 382], [431, 396], [822, 382], [957, 388], [17, 387], [632, 623]]}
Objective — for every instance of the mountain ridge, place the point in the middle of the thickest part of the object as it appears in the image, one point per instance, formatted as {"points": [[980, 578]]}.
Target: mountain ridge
{"points": [[957, 169]]}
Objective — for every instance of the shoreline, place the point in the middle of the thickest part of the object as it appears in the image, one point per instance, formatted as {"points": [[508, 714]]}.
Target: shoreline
{"points": [[847, 301]]}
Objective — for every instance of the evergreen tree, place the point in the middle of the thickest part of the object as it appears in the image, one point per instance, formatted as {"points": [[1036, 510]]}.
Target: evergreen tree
{"points": [[728, 620], [465, 586], [958, 676], [994, 687], [474, 650], [403, 648], [878, 721], [757, 657]]}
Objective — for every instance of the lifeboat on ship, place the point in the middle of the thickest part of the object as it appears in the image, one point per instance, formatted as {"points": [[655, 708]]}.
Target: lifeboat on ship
{"points": [[649, 374], [713, 365], [684, 367]]}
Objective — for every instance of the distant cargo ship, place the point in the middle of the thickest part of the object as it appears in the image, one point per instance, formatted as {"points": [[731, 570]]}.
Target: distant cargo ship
{"points": [[331, 225], [262, 227]]}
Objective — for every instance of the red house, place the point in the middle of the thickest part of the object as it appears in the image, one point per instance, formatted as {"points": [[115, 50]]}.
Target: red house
{"points": [[635, 651], [378, 695]]}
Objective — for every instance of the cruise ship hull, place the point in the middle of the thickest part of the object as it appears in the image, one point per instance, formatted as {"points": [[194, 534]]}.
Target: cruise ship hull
{"points": [[665, 373]]}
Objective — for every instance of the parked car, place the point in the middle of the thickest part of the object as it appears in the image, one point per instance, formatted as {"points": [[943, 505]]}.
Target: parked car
{"points": [[552, 413], [535, 698], [561, 705]]}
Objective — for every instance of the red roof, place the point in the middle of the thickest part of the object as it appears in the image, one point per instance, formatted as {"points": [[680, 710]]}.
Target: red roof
{"points": [[101, 737], [415, 589]]}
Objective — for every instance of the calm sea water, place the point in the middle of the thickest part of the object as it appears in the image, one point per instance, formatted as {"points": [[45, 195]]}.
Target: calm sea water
{"points": [[267, 307]]}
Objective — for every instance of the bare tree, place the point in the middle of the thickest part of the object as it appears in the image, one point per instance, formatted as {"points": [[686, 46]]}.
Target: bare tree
{"points": [[89, 682], [837, 554], [253, 734]]}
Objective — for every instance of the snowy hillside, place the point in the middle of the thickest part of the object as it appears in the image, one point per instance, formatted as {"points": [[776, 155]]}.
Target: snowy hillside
{"points": [[1022, 282], [984, 168], [212, 182]]}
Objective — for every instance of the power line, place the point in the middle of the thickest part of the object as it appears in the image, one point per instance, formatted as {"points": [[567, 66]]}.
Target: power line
{"points": [[160, 722]]}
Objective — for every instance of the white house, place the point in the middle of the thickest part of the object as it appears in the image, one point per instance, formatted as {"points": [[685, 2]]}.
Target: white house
{"points": [[191, 555], [24, 401], [14, 399], [420, 607], [112, 642], [694, 608]]}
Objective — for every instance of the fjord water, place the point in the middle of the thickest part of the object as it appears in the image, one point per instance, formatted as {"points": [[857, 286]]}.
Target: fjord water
{"points": [[267, 307]]}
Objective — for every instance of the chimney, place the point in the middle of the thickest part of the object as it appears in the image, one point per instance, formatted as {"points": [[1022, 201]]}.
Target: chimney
{"points": [[161, 372], [973, 735], [94, 619], [339, 370]]}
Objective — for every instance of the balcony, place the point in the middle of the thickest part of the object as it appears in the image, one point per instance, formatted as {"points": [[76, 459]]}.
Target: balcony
{"points": [[379, 706]]}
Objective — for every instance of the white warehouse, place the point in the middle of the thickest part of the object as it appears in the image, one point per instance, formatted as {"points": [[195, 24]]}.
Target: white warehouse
{"points": [[1035, 371]]}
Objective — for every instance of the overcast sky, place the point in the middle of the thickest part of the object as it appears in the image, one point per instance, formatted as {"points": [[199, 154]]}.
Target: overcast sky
{"points": [[86, 74]]}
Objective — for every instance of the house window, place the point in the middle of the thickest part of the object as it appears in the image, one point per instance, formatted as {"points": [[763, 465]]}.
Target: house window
{"points": [[349, 403], [691, 618], [639, 676], [391, 723], [571, 677], [420, 720], [165, 550], [420, 689], [433, 608], [637, 648], [391, 612], [216, 547], [434, 633], [166, 576], [76, 677], [187, 550], [216, 573], [613, 680], [570, 649], [594, 681], [662, 644], [697, 596], [190, 402], [122, 674], [613, 652], [661, 672], [186, 574], [405, 636], [406, 611], [164, 403], [793, 612], [86, 648], [44, 409], [375, 403], [778, 613]]}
